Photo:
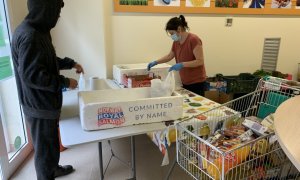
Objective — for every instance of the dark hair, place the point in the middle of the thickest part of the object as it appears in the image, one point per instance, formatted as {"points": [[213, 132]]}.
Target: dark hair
{"points": [[176, 22]]}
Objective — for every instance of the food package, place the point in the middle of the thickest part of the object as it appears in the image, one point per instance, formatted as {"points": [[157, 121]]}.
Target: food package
{"points": [[269, 122], [255, 127], [137, 80], [231, 160], [119, 70]]}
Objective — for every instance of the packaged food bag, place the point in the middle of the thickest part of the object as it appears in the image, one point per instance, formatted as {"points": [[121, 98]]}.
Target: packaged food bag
{"points": [[164, 88]]}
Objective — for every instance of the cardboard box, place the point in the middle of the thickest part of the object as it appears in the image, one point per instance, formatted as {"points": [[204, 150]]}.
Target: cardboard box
{"points": [[138, 69], [219, 97], [212, 95], [123, 107], [213, 84]]}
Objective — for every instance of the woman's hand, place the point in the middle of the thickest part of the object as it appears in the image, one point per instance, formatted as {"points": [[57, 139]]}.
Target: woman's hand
{"points": [[150, 65], [176, 67]]}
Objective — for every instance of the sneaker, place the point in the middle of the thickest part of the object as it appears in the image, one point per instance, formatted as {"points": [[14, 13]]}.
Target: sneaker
{"points": [[63, 170]]}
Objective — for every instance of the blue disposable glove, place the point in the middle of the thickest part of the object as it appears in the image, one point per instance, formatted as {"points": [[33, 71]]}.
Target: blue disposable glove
{"points": [[176, 67], [150, 65]]}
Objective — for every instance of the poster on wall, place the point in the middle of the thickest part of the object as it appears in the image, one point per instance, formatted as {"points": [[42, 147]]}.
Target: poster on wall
{"points": [[255, 7], [227, 3], [254, 4], [134, 2], [281, 4], [167, 3], [5, 67], [197, 3]]}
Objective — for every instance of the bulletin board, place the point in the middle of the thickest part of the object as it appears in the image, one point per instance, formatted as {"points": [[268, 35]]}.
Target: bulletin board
{"points": [[256, 7]]}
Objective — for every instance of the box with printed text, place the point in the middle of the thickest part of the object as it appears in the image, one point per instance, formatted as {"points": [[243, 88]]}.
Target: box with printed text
{"points": [[105, 109]]}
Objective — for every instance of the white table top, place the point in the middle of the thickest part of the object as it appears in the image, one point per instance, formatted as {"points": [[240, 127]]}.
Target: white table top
{"points": [[287, 128], [72, 133]]}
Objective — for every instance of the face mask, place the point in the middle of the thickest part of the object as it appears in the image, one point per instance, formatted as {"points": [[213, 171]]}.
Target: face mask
{"points": [[175, 37]]}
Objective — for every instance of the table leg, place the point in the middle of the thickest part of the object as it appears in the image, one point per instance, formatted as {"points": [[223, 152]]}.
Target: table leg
{"points": [[171, 169], [133, 165], [100, 160]]}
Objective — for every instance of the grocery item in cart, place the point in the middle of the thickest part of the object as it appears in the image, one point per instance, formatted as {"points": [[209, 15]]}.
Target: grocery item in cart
{"points": [[231, 160], [243, 144], [255, 126]]}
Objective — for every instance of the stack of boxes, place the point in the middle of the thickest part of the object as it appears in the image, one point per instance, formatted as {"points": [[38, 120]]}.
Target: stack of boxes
{"points": [[216, 91]]}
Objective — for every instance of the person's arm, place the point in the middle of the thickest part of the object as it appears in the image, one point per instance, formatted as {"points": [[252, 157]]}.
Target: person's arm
{"points": [[34, 70], [166, 58], [65, 63], [199, 61], [68, 63]]}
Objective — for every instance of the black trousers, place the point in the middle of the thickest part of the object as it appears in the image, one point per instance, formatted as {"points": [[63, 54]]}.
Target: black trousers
{"points": [[197, 88], [44, 133]]}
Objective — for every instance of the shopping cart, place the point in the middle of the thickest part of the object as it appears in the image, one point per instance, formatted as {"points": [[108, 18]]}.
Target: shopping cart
{"points": [[233, 143]]}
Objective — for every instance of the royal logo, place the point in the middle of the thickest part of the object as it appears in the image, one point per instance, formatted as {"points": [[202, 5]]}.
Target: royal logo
{"points": [[110, 115]]}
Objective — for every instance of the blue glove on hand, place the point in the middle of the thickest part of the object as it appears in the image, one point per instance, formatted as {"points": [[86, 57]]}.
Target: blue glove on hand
{"points": [[150, 65], [176, 67]]}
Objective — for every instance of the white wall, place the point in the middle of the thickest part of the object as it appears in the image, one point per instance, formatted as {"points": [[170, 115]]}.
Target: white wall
{"points": [[227, 50], [17, 11], [97, 37], [79, 35]]}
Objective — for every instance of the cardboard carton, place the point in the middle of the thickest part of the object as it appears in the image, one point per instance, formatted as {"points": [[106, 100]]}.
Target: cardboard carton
{"points": [[218, 96], [123, 107]]}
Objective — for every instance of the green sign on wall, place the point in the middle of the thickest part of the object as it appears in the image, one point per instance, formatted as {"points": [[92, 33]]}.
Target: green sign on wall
{"points": [[5, 67], [2, 40]]}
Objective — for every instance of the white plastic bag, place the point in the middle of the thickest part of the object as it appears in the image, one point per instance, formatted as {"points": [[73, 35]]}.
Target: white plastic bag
{"points": [[163, 88], [81, 82]]}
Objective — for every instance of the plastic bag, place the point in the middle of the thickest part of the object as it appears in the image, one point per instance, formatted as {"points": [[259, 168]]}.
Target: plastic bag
{"points": [[81, 82], [163, 88]]}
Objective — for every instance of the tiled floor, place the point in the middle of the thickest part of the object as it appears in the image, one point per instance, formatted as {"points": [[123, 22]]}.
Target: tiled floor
{"points": [[85, 160]]}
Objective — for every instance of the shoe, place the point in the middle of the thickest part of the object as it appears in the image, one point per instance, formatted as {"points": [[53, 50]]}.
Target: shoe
{"points": [[63, 170]]}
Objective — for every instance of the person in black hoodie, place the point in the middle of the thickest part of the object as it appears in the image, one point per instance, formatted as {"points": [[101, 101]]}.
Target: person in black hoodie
{"points": [[40, 84]]}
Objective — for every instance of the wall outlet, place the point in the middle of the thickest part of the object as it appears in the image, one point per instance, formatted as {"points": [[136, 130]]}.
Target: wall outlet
{"points": [[228, 22]]}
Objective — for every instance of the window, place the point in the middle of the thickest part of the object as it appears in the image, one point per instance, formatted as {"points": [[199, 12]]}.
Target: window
{"points": [[5, 60], [14, 144]]}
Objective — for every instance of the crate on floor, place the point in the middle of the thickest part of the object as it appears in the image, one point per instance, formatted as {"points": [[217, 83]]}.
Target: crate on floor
{"points": [[242, 83]]}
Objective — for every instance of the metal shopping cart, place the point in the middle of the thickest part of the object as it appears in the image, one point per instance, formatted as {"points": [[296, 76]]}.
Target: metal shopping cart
{"points": [[236, 140]]}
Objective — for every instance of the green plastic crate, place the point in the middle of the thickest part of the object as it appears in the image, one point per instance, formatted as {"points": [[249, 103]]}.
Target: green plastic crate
{"points": [[273, 100], [242, 83]]}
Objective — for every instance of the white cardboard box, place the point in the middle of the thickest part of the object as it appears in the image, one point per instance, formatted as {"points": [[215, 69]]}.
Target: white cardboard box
{"points": [[138, 69], [122, 107]]}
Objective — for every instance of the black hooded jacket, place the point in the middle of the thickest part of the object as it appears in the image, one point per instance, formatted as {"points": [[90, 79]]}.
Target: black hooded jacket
{"points": [[35, 62]]}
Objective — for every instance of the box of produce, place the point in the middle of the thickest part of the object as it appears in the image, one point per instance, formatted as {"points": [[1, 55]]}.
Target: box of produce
{"points": [[119, 70], [242, 83], [123, 107], [213, 84], [134, 81]]}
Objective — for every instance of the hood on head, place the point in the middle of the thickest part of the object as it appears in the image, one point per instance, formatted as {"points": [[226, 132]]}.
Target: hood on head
{"points": [[44, 14]]}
